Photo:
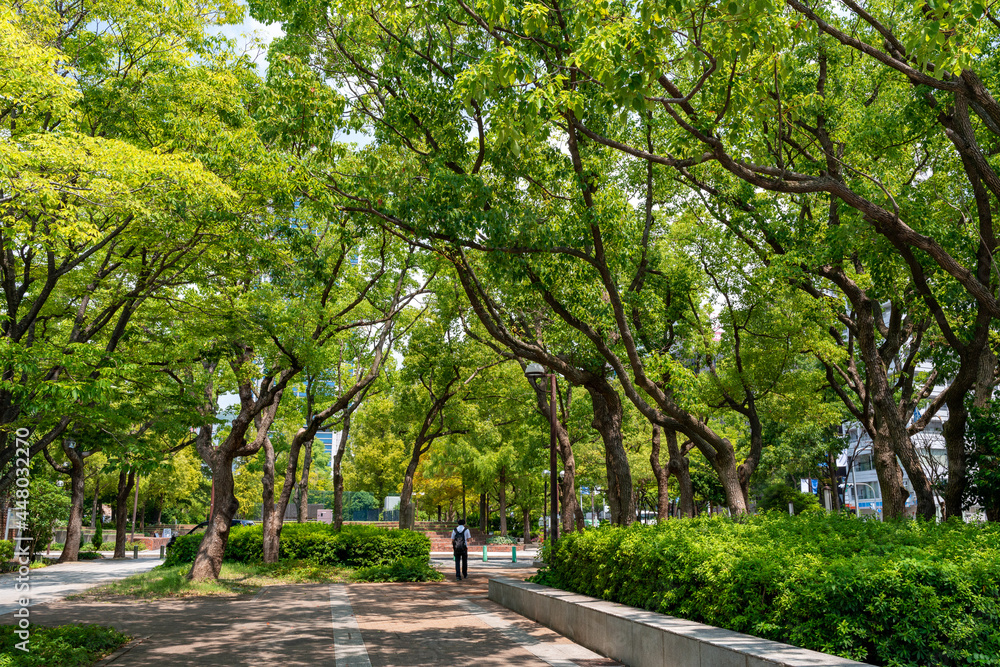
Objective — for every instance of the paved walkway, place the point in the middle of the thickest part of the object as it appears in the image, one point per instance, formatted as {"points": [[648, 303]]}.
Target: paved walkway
{"points": [[354, 625], [55, 582]]}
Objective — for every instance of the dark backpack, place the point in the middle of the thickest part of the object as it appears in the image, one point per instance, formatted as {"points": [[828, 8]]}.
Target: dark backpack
{"points": [[458, 541]]}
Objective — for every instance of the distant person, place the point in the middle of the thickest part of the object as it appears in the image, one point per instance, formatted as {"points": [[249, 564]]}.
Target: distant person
{"points": [[460, 545]]}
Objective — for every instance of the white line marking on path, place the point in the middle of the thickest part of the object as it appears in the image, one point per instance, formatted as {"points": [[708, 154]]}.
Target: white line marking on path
{"points": [[555, 654], [348, 646]]}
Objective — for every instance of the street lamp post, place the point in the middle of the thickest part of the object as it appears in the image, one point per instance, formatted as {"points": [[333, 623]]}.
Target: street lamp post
{"points": [[535, 372], [545, 500]]}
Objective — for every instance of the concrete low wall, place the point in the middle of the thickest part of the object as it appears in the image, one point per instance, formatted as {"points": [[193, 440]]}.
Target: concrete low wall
{"points": [[642, 638]]}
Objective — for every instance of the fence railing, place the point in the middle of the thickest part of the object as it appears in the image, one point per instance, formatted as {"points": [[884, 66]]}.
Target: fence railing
{"points": [[373, 515]]}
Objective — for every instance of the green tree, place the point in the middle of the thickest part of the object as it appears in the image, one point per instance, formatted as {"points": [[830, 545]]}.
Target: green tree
{"points": [[376, 452], [47, 506], [100, 209]]}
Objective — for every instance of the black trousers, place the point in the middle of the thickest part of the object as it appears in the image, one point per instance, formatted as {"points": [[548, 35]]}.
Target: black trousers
{"points": [[462, 562]]}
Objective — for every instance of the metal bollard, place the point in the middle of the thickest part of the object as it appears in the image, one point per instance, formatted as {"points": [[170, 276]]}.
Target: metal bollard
{"points": [[513, 553], [135, 553], [163, 550], [484, 554]]}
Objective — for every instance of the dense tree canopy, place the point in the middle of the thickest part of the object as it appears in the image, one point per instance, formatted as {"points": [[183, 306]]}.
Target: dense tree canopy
{"points": [[727, 228]]}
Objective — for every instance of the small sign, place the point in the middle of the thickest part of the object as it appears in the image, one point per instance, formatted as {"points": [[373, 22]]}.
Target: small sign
{"points": [[167, 532]]}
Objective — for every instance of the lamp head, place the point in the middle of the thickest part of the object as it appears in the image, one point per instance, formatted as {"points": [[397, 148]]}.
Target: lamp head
{"points": [[534, 371]]}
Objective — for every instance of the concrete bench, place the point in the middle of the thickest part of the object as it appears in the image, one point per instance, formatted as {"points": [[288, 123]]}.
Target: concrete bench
{"points": [[641, 638]]}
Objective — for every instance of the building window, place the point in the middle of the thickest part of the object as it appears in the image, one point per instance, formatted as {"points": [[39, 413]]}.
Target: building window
{"points": [[867, 491], [863, 463]]}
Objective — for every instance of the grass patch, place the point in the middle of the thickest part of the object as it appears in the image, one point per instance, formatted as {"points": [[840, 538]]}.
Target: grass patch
{"points": [[234, 579], [65, 645]]}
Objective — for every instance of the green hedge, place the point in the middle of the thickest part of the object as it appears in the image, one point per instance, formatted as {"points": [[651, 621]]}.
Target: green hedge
{"points": [[353, 546], [404, 569], [904, 594]]}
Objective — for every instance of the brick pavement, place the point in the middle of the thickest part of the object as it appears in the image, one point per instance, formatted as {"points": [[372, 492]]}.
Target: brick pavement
{"points": [[402, 625], [434, 624]]}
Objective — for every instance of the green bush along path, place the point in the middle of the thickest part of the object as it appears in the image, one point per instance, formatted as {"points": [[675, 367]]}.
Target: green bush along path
{"points": [[353, 546], [912, 594]]}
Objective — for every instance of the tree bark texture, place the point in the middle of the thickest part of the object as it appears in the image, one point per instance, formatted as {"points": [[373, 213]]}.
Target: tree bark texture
{"points": [[338, 475], [126, 480], [270, 525], [406, 509], [890, 439], [71, 549], [954, 429], [304, 482], [608, 422], [571, 514], [662, 476], [208, 561], [679, 467], [257, 408]]}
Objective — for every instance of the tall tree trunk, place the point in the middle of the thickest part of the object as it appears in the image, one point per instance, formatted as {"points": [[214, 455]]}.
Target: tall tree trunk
{"points": [[71, 549], [270, 525], [338, 476], [890, 439], [831, 464], [482, 512], [407, 511], [726, 468], [126, 480], [890, 476], [608, 422], [526, 517], [679, 467], [502, 499], [208, 560], [953, 430], [304, 483], [662, 477], [97, 502], [571, 514], [570, 510], [159, 509]]}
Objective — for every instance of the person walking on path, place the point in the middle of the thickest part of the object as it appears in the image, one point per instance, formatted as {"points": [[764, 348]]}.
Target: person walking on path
{"points": [[460, 545]]}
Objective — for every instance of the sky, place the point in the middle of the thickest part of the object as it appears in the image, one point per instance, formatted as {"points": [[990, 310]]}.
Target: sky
{"points": [[244, 33]]}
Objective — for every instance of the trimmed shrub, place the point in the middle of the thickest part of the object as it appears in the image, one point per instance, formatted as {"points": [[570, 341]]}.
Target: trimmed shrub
{"points": [[500, 539], [404, 569], [905, 594], [353, 546], [777, 496], [98, 539], [6, 550], [110, 546]]}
